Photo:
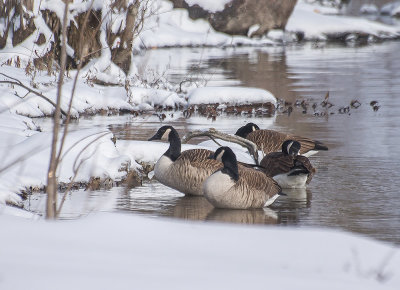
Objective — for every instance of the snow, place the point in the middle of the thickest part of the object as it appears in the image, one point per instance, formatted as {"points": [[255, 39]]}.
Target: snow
{"points": [[210, 5], [308, 19], [230, 95], [167, 27], [369, 9], [104, 251], [396, 11], [154, 97], [391, 9], [252, 30], [116, 251], [25, 157]]}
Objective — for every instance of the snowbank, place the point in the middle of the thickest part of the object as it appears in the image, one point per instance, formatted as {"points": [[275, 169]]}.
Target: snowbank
{"points": [[115, 251], [309, 20], [168, 27], [91, 98], [230, 95], [173, 27], [369, 9], [149, 98], [210, 5], [25, 157], [391, 8]]}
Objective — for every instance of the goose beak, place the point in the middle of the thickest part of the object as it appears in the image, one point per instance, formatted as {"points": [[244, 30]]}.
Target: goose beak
{"points": [[211, 156], [153, 138]]}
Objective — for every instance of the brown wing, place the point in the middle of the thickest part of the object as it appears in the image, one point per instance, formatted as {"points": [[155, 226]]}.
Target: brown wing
{"points": [[267, 140], [271, 141], [189, 171], [277, 163], [307, 164], [199, 158], [257, 186], [307, 144]]}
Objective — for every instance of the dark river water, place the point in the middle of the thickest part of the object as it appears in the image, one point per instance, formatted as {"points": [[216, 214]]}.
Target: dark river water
{"points": [[357, 185]]}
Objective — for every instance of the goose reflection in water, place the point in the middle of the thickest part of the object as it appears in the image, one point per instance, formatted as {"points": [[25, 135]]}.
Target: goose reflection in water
{"points": [[289, 205], [244, 216], [198, 208], [192, 208]]}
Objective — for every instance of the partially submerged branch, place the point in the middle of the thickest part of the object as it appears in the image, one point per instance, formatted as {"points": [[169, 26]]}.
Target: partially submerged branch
{"points": [[214, 134]]}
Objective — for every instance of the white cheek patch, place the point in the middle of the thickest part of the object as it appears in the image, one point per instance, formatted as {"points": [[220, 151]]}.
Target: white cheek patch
{"points": [[219, 156], [254, 128], [166, 134], [288, 147]]}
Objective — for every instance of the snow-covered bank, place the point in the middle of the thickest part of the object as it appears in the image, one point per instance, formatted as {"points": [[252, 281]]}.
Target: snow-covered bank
{"points": [[90, 98], [318, 23], [87, 153], [114, 251], [173, 27]]}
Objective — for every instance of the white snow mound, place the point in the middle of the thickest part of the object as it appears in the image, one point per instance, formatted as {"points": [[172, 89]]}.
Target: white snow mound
{"points": [[230, 95]]}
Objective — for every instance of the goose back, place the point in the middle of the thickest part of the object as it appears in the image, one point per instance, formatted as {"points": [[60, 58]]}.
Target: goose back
{"points": [[239, 187], [271, 141], [278, 163], [188, 172]]}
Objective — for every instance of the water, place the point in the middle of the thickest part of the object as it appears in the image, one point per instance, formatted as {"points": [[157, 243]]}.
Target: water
{"points": [[356, 187]]}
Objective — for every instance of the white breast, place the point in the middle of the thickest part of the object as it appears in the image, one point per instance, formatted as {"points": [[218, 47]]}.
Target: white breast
{"points": [[297, 181], [216, 185], [161, 168]]}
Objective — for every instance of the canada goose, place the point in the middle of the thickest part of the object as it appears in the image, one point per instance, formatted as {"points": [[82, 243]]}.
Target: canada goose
{"points": [[184, 171], [238, 187], [288, 168], [271, 141]]}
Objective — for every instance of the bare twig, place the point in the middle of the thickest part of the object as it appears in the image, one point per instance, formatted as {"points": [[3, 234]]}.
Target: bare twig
{"points": [[65, 132], [18, 160], [77, 167], [20, 84], [212, 133]]}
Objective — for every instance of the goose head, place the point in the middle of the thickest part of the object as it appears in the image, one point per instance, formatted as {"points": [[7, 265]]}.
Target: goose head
{"points": [[291, 147], [163, 133], [245, 130], [228, 158], [170, 134]]}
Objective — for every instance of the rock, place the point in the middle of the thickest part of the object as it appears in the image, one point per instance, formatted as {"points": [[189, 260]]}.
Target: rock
{"points": [[239, 16]]}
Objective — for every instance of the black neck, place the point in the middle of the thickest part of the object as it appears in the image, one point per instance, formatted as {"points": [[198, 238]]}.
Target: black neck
{"points": [[174, 150], [230, 165]]}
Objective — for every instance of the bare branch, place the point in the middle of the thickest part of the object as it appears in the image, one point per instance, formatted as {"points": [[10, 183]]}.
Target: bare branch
{"points": [[65, 132], [77, 167], [51, 189], [212, 133], [19, 83]]}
